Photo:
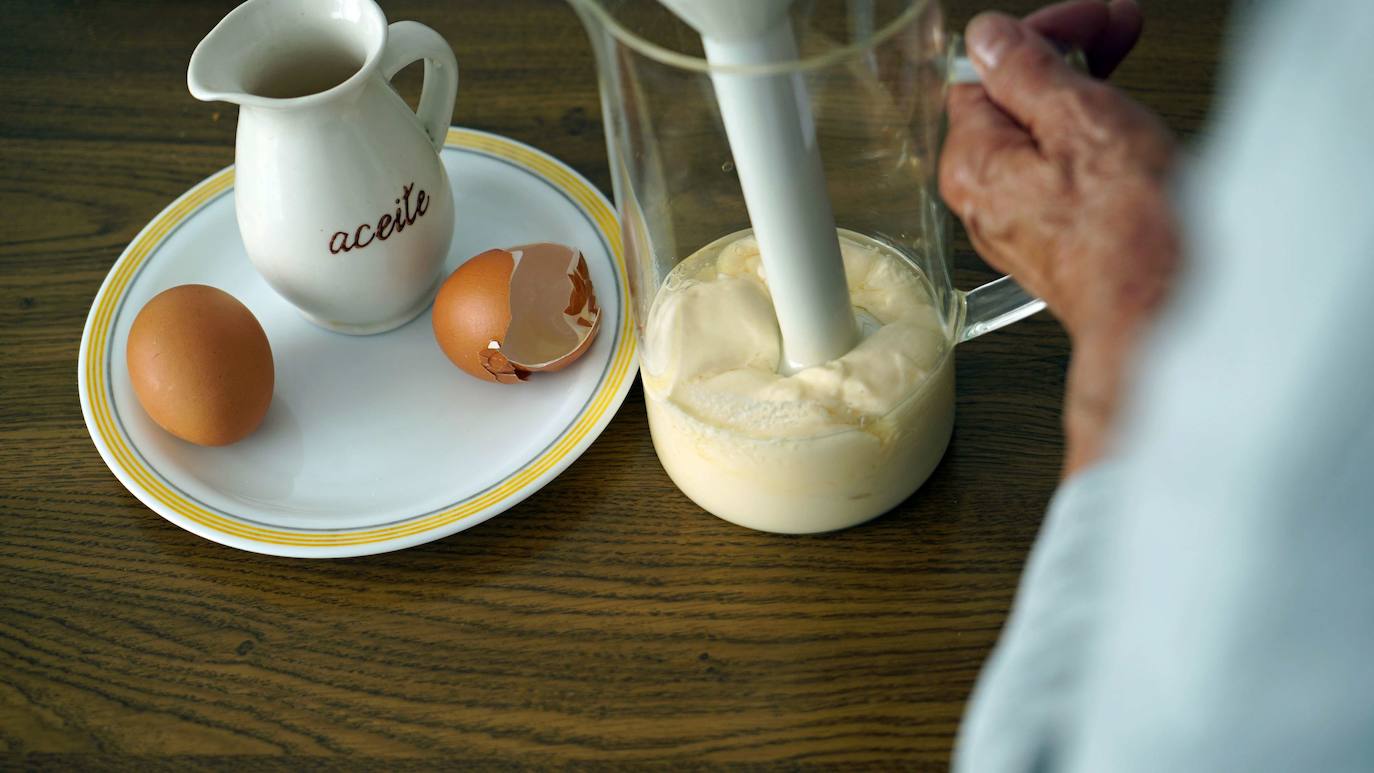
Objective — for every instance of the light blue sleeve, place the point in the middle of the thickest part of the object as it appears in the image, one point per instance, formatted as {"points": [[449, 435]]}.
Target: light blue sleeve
{"points": [[1205, 601], [1030, 685]]}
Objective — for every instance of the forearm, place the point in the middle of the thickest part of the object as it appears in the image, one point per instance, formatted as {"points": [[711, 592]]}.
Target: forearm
{"points": [[1109, 309], [1097, 374]]}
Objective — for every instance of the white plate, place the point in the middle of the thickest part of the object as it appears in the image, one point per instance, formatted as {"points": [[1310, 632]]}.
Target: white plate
{"points": [[372, 443]]}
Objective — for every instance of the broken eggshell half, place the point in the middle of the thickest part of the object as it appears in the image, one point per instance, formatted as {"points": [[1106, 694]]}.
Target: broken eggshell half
{"points": [[507, 313]]}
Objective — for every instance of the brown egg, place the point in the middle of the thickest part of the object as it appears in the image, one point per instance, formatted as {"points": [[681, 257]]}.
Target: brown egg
{"points": [[507, 313], [201, 365]]}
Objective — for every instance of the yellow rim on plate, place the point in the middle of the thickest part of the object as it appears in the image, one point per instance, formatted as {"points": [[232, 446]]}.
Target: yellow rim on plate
{"points": [[120, 454]]}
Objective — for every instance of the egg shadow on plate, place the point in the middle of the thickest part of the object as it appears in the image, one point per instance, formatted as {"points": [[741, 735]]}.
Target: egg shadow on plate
{"points": [[239, 470]]}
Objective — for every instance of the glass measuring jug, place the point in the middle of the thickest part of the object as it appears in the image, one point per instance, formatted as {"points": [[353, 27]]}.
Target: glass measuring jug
{"points": [[827, 447]]}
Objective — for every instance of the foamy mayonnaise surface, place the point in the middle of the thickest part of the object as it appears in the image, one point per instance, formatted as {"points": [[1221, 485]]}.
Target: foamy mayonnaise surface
{"points": [[820, 449]]}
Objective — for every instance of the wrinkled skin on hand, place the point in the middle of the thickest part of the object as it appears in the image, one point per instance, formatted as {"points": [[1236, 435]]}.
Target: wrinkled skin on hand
{"points": [[1060, 181]]}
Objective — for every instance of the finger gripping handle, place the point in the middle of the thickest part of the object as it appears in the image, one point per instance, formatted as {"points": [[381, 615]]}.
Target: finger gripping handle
{"points": [[409, 41], [959, 68]]}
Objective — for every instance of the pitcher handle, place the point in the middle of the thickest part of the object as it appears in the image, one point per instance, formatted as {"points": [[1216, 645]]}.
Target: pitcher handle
{"points": [[409, 41], [1001, 301]]}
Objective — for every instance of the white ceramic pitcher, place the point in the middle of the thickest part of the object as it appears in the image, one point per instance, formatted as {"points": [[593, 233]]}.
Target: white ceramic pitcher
{"points": [[342, 200]]}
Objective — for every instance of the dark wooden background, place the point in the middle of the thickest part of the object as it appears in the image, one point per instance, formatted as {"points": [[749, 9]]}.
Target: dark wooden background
{"points": [[604, 619]]}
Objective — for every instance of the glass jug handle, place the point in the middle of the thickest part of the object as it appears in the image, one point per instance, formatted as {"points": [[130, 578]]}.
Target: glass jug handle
{"points": [[408, 41], [1001, 301]]}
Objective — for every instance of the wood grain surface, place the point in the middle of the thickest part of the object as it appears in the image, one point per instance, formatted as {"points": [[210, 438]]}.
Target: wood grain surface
{"points": [[604, 620]]}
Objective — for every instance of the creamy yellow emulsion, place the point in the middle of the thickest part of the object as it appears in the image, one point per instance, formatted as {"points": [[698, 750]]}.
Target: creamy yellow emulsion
{"points": [[821, 449]]}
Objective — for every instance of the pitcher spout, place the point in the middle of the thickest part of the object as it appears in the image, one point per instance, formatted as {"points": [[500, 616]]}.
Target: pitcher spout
{"points": [[213, 74], [279, 53]]}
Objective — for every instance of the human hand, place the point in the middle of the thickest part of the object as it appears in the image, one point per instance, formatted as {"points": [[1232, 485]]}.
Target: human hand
{"points": [[1060, 182]]}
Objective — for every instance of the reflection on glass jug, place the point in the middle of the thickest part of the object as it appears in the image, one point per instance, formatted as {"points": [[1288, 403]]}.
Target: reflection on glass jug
{"points": [[750, 432]]}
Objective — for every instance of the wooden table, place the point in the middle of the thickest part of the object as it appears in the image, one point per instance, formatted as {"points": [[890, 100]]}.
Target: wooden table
{"points": [[604, 619]]}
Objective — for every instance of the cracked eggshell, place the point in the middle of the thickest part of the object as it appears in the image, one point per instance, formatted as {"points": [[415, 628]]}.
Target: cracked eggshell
{"points": [[472, 310], [506, 313]]}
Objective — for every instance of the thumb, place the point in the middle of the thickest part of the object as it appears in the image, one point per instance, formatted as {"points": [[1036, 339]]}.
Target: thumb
{"points": [[1022, 73]]}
